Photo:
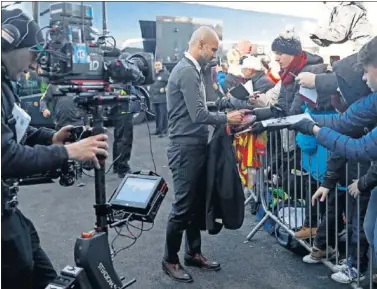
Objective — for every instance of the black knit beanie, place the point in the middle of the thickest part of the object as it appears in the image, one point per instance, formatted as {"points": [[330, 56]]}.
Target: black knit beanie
{"points": [[290, 46], [28, 28]]}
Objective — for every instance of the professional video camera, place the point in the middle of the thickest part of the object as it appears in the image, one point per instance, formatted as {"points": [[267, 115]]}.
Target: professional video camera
{"points": [[76, 64], [71, 59]]}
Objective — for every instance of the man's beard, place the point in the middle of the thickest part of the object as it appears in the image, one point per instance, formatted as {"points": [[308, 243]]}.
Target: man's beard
{"points": [[203, 60]]}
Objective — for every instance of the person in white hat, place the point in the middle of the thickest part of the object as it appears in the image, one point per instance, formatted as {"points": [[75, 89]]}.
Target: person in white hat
{"points": [[252, 69]]}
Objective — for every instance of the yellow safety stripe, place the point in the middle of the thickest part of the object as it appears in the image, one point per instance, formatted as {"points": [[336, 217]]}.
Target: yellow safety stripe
{"points": [[44, 94]]}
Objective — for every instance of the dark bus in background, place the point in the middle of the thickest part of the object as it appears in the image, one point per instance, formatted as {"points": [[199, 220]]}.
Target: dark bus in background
{"points": [[174, 33]]}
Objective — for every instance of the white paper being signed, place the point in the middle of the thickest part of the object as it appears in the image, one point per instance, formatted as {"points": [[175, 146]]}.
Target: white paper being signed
{"points": [[285, 121], [310, 94]]}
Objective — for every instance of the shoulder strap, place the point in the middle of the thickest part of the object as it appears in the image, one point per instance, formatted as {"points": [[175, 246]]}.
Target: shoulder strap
{"points": [[7, 106]]}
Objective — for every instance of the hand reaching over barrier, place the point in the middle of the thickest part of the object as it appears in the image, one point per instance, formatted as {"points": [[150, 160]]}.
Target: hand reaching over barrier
{"points": [[305, 126], [301, 122]]}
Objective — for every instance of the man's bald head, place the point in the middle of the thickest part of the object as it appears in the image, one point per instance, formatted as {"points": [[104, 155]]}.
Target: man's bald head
{"points": [[203, 34], [204, 44]]}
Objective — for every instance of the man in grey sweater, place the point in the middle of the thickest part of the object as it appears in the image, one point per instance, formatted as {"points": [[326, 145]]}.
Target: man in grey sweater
{"points": [[188, 120]]}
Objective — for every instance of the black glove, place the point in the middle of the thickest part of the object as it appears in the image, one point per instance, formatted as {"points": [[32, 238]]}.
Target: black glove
{"points": [[268, 112], [257, 128], [304, 126], [320, 42]]}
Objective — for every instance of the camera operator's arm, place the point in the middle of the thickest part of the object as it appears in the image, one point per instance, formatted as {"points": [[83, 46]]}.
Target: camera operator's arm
{"points": [[190, 86], [41, 136], [19, 160]]}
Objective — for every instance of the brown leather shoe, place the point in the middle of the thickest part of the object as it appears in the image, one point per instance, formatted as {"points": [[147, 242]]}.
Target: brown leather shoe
{"points": [[306, 233], [198, 260], [176, 272]]}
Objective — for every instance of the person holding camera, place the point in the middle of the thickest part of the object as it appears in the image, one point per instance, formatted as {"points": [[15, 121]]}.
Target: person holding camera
{"points": [[27, 151]]}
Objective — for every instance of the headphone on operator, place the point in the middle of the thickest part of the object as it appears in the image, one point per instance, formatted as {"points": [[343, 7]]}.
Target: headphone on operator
{"points": [[10, 37], [10, 34]]}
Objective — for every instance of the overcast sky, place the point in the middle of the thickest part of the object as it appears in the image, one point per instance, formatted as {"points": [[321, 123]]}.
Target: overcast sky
{"points": [[311, 9], [309, 12]]}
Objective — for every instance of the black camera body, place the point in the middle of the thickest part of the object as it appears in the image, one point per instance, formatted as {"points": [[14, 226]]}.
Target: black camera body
{"points": [[67, 176], [70, 56]]}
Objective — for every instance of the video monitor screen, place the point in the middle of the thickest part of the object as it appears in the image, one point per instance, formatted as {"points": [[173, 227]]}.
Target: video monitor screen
{"points": [[136, 190]]}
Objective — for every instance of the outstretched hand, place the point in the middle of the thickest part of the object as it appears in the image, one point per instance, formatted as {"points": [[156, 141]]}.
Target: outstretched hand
{"points": [[304, 126]]}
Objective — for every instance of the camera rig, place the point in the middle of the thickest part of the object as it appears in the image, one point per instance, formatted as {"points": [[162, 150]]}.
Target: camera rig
{"points": [[75, 64], [67, 176], [71, 59], [138, 197]]}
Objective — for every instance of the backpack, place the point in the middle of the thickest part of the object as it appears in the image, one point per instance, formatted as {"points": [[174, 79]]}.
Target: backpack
{"points": [[285, 239]]}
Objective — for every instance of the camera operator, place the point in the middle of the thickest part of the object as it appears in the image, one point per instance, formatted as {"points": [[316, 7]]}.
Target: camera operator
{"points": [[188, 120], [26, 151], [63, 108]]}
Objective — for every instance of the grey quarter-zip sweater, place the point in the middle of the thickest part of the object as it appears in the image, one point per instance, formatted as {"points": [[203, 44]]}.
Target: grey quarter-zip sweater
{"points": [[188, 116]]}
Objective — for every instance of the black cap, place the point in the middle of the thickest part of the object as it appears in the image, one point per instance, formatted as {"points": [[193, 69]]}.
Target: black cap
{"points": [[30, 34]]}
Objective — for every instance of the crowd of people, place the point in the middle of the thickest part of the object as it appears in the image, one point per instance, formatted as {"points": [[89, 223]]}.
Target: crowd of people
{"points": [[342, 119]]}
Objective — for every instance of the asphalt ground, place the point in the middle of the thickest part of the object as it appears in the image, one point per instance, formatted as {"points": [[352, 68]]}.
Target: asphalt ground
{"points": [[61, 214]]}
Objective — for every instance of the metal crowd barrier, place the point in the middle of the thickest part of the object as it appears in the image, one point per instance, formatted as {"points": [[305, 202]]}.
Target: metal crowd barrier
{"points": [[282, 168]]}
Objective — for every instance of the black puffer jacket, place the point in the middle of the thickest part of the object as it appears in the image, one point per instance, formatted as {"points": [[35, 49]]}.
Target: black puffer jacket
{"points": [[290, 101]]}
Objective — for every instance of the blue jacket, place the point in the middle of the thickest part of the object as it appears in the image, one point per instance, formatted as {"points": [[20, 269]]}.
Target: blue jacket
{"points": [[314, 156], [220, 77], [345, 134]]}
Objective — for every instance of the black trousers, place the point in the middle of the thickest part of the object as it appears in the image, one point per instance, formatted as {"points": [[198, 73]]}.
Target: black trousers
{"points": [[123, 138], [311, 212], [24, 264], [161, 113], [187, 164], [355, 232]]}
